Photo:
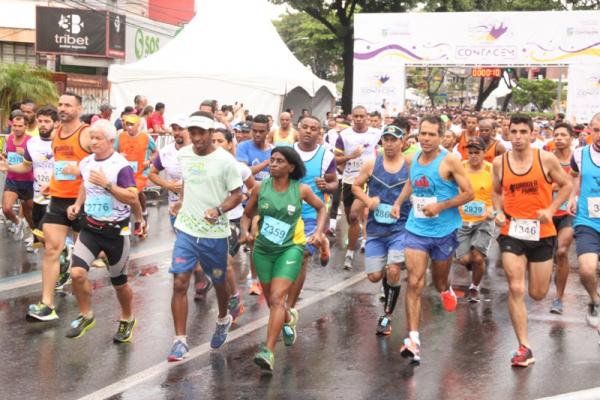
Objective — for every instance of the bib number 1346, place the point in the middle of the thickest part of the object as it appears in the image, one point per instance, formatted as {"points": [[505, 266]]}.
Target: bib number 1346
{"points": [[524, 229]]}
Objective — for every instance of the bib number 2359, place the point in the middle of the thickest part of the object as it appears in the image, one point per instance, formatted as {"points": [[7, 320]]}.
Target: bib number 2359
{"points": [[274, 229], [524, 229]]}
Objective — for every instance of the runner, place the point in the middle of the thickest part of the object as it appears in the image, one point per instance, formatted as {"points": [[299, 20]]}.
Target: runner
{"points": [[105, 199], [279, 247], [139, 149], [523, 179], [28, 108], [467, 134], [211, 187], [285, 135], [493, 147], [223, 138], [475, 235], [354, 146], [563, 222], [435, 179], [385, 178], [18, 186], [256, 154], [503, 137], [321, 178], [585, 166], [70, 145]]}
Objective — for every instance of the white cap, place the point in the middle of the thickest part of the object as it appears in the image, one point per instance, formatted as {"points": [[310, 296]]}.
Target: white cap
{"points": [[200, 122], [180, 120]]}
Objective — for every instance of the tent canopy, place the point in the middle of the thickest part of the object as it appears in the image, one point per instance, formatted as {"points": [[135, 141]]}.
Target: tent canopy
{"points": [[231, 52]]}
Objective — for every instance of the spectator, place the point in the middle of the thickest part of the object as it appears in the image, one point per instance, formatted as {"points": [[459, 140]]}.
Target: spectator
{"points": [[156, 122]]}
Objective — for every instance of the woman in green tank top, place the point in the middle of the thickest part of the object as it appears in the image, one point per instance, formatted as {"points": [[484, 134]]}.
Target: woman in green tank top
{"points": [[279, 245]]}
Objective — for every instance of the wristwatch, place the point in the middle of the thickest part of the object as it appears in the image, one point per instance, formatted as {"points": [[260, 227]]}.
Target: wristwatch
{"points": [[108, 186], [220, 210]]}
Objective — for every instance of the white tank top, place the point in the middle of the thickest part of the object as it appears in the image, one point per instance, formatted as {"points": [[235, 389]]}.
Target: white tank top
{"points": [[42, 161], [168, 159]]}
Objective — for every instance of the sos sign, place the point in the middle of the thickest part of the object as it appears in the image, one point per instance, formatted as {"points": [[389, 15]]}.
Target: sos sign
{"points": [[145, 44]]}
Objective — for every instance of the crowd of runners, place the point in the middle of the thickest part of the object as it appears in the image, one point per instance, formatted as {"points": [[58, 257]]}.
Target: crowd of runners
{"points": [[423, 189]]}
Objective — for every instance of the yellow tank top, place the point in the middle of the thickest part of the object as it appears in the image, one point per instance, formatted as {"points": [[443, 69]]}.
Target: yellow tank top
{"points": [[481, 181], [286, 141]]}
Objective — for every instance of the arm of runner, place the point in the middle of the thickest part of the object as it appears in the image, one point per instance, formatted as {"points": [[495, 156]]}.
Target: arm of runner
{"points": [[576, 179], [85, 140], [312, 200], [74, 209], [21, 168], [497, 199], [174, 210], [154, 176], [359, 183], [558, 175], [329, 182], [249, 212], [466, 194], [259, 167], [500, 149], [405, 193]]}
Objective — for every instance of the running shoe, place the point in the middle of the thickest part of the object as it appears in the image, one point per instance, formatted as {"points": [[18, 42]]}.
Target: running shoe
{"points": [[220, 334], [411, 350], [41, 312], [80, 326], [592, 315], [522, 357], [362, 246], [473, 295], [384, 326], [325, 252], [125, 331], [449, 299], [289, 328], [19, 230], [265, 358], [236, 307], [64, 278], [140, 229], [202, 288], [255, 288], [178, 351], [348, 262], [557, 307], [330, 232]]}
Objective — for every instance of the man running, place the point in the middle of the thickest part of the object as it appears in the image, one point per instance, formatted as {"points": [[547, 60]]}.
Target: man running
{"points": [[385, 178], [585, 166], [493, 147], [435, 179], [211, 187], [523, 204], [285, 135], [18, 186], [106, 196], [354, 146], [70, 145], [475, 236], [139, 149], [563, 221], [467, 134], [321, 177]]}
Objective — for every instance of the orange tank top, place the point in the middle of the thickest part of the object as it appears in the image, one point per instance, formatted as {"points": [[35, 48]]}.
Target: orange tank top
{"points": [[490, 153], [525, 194], [134, 149], [462, 146], [67, 151]]}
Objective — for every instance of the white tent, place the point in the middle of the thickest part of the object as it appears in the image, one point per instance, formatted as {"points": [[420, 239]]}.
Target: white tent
{"points": [[230, 52]]}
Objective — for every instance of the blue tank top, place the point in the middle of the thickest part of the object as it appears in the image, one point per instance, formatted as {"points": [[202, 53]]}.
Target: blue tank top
{"points": [[588, 205], [428, 186], [387, 186], [314, 169]]}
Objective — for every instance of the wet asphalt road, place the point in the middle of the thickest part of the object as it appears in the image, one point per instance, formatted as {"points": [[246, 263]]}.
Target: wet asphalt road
{"points": [[337, 355]]}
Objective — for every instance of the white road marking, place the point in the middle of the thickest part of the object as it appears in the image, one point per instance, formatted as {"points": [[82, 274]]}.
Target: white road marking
{"points": [[36, 278], [135, 379]]}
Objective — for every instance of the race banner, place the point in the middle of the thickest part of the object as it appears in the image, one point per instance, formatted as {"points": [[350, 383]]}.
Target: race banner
{"points": [[379, 87], [583, 96]]}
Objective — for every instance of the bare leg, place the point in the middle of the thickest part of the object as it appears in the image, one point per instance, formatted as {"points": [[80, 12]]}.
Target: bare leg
{"points": [[515, 267], [82, 289], [179, 302], [565, 237], [125, 297], [54, 243], [278, 292], [416, 264], [587, 274]]}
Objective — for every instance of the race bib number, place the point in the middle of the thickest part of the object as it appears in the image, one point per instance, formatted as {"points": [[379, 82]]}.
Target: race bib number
{"points": [[563, 206], [14, 158], [274, 230], [419, 203], [594, 207], [58, 171], [134, 165], [474, 208], [42, 176], [383, 215], [524, 229], [99, 206]]}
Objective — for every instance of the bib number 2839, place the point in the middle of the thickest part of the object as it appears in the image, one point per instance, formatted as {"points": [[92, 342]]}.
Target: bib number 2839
{"points": [[524, 229]]}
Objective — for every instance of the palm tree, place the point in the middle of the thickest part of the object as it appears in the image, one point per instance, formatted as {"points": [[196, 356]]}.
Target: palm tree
{"points": [[19, 82]]}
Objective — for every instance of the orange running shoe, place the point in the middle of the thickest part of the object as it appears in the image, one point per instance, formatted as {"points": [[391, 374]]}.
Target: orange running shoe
{"points": [[449, 299], [522, 357]]}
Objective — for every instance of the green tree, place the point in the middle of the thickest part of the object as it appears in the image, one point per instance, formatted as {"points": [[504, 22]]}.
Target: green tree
{"points": [[19, 82], [338, 17], [540, 93], [427, 80], [312, 43]]}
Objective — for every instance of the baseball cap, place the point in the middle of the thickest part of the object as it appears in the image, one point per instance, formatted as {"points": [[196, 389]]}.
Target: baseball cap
{"points": [[477, 143], [394, 131], [131, 118], [106, 106], [245, 127], [200, 122], [180, 120]]}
